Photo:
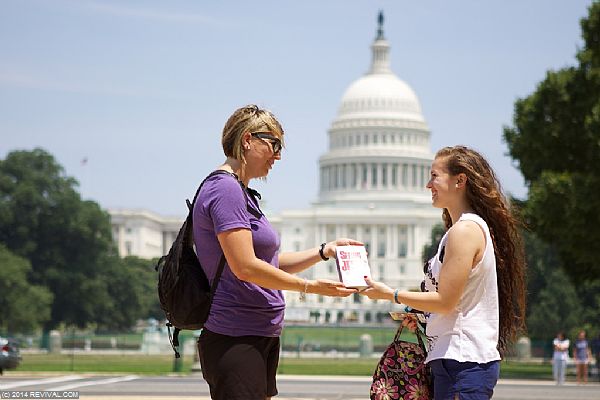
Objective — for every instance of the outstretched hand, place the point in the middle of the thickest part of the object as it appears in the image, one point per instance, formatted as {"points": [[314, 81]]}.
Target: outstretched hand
{"points": [[328, 287], [377, 290]]}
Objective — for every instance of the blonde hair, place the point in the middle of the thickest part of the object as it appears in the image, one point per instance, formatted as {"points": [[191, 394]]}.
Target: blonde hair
{"points": [[250, 119], [485, 197]]}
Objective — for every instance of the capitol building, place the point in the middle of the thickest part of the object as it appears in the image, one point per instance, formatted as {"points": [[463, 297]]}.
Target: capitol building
{"points": [[372, 181]]}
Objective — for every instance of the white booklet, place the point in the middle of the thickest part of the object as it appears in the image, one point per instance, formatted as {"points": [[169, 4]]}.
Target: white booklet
{"points": [[353, 266]]}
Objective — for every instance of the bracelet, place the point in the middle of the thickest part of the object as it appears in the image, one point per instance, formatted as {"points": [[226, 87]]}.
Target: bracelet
{"points": [[303, 294], [321, 253], [396, 296]]}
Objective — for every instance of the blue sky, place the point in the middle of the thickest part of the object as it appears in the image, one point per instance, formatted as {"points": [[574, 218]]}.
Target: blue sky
{"points": [[141, 89]]}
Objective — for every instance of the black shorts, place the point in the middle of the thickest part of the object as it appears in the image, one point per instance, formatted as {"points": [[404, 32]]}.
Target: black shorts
{"points": [[241, 367]]}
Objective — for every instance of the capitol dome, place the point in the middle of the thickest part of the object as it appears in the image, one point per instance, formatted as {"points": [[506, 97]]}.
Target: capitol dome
{"points": [[379, 147], [381, 93]]}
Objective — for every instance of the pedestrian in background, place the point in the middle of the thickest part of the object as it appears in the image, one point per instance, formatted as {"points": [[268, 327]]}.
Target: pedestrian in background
{"points": [[474, 288], [559, 357], [582, 355]]}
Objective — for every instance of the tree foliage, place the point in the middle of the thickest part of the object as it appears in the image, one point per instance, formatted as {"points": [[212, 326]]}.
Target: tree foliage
{"points": [[59, 265], [23, 306], [553, 302], [429, 250], [67, 240], [556, 142], [131, 288]]}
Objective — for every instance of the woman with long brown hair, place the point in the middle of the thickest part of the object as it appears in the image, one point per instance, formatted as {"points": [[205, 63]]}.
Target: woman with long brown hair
{"points": [[474, 288]]}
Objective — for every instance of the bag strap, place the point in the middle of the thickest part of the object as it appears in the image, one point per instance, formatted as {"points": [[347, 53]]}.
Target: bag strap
{"points": [[420, 339], [398, 332], [190, 228], [418, 333]]}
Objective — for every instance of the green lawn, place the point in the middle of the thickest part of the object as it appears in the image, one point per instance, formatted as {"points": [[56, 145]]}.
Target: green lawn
{"points": [[342, 338], [327, 366], [162, 364], [138, 364], [519, 370]]}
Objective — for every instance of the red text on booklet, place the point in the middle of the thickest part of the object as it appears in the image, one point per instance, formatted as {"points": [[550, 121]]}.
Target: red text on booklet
{"points": [[352, 266]]}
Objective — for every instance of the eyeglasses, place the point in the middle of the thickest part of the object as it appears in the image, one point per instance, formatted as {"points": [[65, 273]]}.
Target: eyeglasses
{"points": [[275, 142]]}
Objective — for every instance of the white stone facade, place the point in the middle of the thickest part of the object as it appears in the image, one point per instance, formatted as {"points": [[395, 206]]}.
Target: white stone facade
{"points": [[143, 233]]}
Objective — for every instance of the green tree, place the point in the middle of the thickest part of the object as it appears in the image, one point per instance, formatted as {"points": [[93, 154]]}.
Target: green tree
{"points": [[132, 294], [552, 301], [429, 250], [23, 307], [589, 294], [67, 240], [556, 142]]}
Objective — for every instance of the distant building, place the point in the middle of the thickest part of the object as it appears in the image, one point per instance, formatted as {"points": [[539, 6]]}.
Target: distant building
{"points": [[143, 233], [372, 188]]}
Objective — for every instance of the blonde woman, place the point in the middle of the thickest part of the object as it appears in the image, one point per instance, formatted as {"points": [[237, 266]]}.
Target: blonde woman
{"points": [[239, 346]]}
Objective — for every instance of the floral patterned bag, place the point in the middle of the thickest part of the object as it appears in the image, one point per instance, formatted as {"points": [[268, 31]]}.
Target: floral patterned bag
{"points": [[401, 373]]}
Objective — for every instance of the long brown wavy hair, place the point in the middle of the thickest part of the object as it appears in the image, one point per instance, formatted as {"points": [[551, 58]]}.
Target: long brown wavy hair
{"points": [[485, 197]]}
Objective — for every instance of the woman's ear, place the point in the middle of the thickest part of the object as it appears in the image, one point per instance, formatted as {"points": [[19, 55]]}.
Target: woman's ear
{"points": [[246, 137], [461, 180]]}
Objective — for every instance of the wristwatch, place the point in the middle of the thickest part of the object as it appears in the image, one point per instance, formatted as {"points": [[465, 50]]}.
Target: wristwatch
{"points": [[321, 253]]}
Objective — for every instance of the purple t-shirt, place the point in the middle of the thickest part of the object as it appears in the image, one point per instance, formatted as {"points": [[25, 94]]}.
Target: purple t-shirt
{"points": [[239, 308]]}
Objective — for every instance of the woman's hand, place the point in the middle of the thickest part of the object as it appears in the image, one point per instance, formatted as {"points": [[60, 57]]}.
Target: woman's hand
{"points": [[330, 247], [378, 290], [328, 287]]}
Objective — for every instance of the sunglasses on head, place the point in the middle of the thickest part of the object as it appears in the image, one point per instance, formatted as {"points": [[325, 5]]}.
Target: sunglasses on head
{"points": [[275, 142]]}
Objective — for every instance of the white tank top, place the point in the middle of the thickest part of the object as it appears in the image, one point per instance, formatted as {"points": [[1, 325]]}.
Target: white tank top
{"points": [[470, 331]]}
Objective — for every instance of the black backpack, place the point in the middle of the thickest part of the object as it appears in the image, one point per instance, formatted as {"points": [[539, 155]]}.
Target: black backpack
{"points": [[183, 289]]}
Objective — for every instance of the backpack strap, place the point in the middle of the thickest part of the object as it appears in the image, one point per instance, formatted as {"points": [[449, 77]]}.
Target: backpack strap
{"points": [[215, 282], [215, 172]]}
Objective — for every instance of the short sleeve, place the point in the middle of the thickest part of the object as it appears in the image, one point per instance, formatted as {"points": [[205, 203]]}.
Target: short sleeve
{"points": [[223, 202]]}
